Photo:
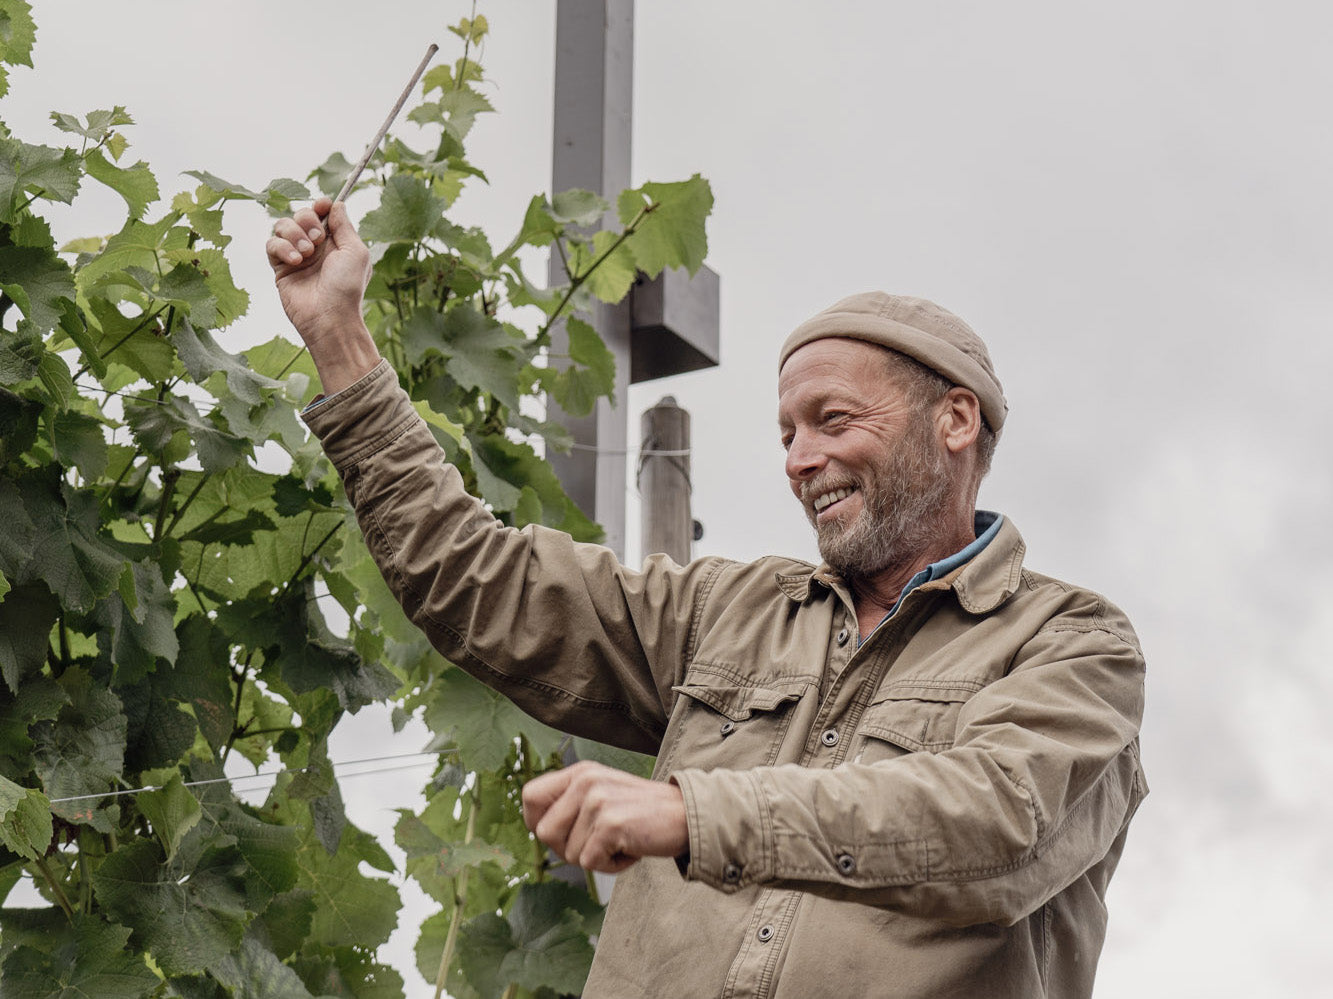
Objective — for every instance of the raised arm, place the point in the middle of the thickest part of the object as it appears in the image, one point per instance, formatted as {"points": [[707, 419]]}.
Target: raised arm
{"points": [[321, 276]]}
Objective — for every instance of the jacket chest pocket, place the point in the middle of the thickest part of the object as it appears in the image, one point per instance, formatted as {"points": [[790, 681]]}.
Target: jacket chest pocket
{"points": [[911, 718], [719, 722]]}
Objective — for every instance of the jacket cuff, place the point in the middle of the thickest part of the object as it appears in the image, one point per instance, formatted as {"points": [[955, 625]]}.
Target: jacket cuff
{"points": [[361, 418], [731, 831]]}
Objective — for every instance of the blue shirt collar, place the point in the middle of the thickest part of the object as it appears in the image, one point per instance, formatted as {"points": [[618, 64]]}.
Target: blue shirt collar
{"points": [[986, 524]]}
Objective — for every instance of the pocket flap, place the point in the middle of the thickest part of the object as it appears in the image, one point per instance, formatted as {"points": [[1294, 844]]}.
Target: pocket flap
{"points": [[739, 701], [925, 690], [918, 716]]}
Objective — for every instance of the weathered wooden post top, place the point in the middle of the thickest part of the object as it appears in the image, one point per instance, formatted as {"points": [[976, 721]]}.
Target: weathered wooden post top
{"points": [[665, 326]]}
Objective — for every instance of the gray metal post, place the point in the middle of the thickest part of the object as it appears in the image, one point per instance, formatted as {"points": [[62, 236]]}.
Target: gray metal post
{"points": [[664, 481], [594, 73]]}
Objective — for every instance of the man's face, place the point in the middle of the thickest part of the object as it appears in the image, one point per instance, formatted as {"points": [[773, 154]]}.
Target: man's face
{"points": [[869, 471]]}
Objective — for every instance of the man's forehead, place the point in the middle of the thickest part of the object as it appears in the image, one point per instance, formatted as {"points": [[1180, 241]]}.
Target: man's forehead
{"points": [[835, 367]]}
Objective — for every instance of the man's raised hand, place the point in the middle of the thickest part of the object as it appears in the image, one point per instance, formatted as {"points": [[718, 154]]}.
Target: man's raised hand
{"points": [[321, 276]]}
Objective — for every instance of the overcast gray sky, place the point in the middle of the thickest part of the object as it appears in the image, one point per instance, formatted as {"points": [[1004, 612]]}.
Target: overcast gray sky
{"points": [[1131, 202]]}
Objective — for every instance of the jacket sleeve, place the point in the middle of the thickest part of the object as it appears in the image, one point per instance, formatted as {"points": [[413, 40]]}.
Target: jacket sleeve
{"points": [[570, 635], [1038, 788]]}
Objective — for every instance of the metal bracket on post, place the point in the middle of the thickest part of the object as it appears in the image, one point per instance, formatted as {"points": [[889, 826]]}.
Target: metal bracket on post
{"points": [[674, 323]]}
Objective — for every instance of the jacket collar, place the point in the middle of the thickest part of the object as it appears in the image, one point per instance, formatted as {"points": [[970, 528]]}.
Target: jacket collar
{"points": [[989, 579]]}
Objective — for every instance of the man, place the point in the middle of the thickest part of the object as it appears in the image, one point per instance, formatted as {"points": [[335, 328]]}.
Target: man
{"points": [[907, 772]]}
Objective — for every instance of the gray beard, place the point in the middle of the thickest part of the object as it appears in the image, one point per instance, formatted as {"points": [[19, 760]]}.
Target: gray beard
{"points": [[903, 499]]}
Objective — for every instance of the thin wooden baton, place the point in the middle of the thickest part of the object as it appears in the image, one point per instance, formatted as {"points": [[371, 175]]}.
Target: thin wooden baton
{"points": [[355, 175]]}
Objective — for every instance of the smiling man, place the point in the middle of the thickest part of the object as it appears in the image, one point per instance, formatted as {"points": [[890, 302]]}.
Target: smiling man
{"points": [[907, 772]]}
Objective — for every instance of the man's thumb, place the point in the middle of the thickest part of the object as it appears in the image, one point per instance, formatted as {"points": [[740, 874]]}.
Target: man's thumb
{"points": [[341, 230]]}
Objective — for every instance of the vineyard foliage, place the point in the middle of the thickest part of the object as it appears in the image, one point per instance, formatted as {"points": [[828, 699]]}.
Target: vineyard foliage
{"points": [[171, 605]]}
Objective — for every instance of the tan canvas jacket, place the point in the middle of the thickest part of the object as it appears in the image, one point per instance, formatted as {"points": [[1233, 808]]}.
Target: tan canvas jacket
{"points": [[934, 813]]}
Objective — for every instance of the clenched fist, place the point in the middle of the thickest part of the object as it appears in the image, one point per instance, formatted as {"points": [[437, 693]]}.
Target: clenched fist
{"points": [[604, 819], [321, 277]]}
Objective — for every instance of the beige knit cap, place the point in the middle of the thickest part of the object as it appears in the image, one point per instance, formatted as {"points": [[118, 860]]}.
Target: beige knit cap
{"points": [[915, 327]]}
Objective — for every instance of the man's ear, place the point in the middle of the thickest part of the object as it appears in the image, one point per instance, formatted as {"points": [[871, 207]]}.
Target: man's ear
{"points": [[959, 419]]}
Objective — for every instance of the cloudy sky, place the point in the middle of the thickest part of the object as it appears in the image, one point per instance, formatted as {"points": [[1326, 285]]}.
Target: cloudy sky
{"points": [[1132, 202]]}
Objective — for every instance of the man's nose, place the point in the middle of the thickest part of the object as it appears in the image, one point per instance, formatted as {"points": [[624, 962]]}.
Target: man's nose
{"points": [[804, 459]]}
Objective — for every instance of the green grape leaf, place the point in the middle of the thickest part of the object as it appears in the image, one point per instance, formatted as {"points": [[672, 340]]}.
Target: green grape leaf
{"points": [[270, 558], [287, 920], [528, 509], [408, 212], [482, 723], [255, 972], [136, 184], [277, 196], [200, 677], [17, 34], [136, 245], [82, 752], [456, 111], [187, 914], [20, 533], [74, 326], [330, 175], [203, 219], [593, 375], [157, 731], [230, 302], [435, 860], [350, 908], [311, 658], [56, 378], [608, 265], [587, 348], [481, 354], [580, 208], [539, 228], [348, 971], [20, 353], [202, 357], [66, 551], [172, 811], [541, 943], [281, 192], [90, 959], [516, 464], [39, 282], [25, 820], [267, 849], [140, 630], [39, 699], [185, 289], [80, 441], [673, 233], [133, 341], [97, 125], [50, 173], [155, 423]]}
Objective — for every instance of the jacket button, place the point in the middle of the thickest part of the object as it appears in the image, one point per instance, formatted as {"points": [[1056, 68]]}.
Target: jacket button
{"points": [[731, 873], [830, 737], [727, 728], [846, 863], [843, 636], [765, 934]]}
